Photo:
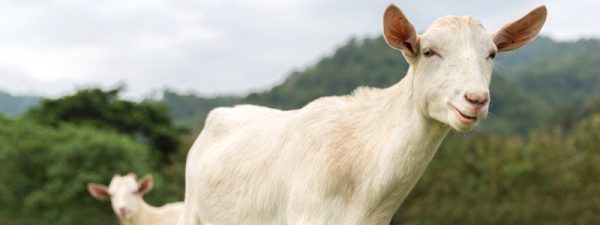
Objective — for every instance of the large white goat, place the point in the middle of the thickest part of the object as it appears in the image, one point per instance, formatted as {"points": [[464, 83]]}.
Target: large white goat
{"points": [[126, 194], [349, 159]]}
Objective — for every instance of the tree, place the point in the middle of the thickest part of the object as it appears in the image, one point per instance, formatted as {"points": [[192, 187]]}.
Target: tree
{"points": [[45, 171], [147, 122]]}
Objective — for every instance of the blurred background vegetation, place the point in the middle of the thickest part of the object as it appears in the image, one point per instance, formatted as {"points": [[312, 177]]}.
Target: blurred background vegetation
{"points": [[534, 160]]}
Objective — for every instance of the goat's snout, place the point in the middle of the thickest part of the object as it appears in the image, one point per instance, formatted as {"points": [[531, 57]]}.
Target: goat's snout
{"points": [[123, 211], [477, 99]]}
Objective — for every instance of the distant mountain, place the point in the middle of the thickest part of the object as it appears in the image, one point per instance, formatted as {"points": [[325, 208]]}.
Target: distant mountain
{"points": [[16, 105], [531, 86], [189, 110]]}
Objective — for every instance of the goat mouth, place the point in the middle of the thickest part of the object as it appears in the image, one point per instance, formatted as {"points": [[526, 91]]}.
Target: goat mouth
{"points": [[464, 118]]}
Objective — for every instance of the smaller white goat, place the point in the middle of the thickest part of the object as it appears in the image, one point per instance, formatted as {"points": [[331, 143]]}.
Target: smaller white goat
{"points": [[126, 194]]}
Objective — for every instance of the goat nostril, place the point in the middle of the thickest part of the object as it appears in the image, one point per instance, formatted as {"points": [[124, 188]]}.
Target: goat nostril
{"points": [[485, 100], [477, 99]]}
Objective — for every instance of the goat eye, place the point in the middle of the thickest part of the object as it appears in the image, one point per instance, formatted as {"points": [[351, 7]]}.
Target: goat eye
{"points": [[428, 52], [492, 55]]}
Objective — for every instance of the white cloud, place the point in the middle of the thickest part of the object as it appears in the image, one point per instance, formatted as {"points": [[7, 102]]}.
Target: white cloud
{"points": [[213, 46]]}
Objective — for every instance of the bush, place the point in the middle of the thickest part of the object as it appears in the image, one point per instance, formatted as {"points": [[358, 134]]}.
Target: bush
{"points": [[147, 122], [44, 172], [552, 178]]}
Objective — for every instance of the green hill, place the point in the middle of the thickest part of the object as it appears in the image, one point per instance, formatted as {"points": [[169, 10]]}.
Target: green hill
{"points": [[16, 105], [530, 86]]}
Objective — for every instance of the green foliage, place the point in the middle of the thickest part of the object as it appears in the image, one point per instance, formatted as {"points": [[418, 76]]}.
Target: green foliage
{"points": [[190, 110], [370, 62], [59, 146], [570, 76], [149, 122], [513, 109], [488, 179], [45, 171]]}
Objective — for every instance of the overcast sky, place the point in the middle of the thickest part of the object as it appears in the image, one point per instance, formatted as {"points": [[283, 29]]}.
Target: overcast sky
{"points": [[208, 47]]}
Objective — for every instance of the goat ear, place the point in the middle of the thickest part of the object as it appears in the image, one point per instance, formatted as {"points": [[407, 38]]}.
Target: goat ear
{"points": [[399, 33], [98, 191], [520, 32], [145, 184]]}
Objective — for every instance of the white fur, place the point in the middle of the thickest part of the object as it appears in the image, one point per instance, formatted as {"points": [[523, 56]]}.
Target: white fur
{"points": [[348, 160], [131, 209]]}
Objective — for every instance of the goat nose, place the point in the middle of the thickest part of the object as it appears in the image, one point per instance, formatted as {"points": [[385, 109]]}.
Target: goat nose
{"points": [[478, 99], [123, 211]]}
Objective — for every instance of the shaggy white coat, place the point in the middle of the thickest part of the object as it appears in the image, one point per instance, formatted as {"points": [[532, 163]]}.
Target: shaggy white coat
{"points": [[348, 160]]}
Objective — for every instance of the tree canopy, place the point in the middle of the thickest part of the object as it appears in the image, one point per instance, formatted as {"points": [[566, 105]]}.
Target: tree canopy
{"points": [[148, 122]]}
